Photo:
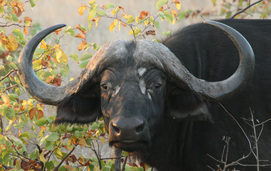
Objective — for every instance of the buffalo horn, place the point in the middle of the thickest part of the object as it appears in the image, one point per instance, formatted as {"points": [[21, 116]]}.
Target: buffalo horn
{"points": [[46, 93]]}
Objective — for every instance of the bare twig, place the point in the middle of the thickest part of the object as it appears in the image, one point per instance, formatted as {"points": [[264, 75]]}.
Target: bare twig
{"points": [[57, 167], [239, 12], [8, 74], [124, 163]]}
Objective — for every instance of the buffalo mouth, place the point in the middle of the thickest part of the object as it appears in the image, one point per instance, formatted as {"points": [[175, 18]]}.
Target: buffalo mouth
{"points": [[130, 145]]}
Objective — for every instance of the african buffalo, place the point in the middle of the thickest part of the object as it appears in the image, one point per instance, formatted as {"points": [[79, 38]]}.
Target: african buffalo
{"points": [[171, 103]]}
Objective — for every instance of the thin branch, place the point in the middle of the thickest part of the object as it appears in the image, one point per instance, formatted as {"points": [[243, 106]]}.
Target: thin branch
{"points": [[57, 167], [8, 74], [232, 17], [250, 146], [124, 163], [9, 25]]}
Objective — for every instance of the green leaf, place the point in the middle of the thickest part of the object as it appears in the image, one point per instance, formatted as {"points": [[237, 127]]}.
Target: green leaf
{"points": [[85, 56], [27, 135], [13, 97], [49, 165], [18, 34], [14, 18], [32, 2], [168, 16], [162, 15], [130, 20], [92, 14], [10, 114], [107, 6], [70, 31], [41, 122], [161, 3], [34, 154], [83, 64], [75, 57], [58, 153], [101, 13], [39, 51], [42, 157], [157, 24], [90, 26]]}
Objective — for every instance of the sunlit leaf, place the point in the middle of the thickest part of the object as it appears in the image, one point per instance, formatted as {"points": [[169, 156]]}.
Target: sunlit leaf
{"points": [[18, 33], [81, 28], [92, 14], [81, 9], [61, 57], [80, 35], [32, 3], [12, 44], [82, 45], [178, 4], [91, 2], [27, 21], [161, 3], [168, 16], [143, 15], [5, 98], [70, 31], [42, 157], [113, 25]]}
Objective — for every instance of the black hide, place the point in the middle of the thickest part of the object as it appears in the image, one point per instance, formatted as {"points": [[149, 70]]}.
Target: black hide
{"points": [[185, 129]]}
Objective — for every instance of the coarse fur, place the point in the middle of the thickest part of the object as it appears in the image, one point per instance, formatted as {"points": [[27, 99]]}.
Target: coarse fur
{"points": [[185, 129]]}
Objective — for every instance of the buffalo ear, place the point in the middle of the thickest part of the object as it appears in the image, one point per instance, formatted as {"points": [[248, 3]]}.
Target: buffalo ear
{"points": [[183, 104], [79, 108]]}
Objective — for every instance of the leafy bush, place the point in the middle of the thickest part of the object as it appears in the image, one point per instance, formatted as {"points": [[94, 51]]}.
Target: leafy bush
{"points": [[52, 148]]}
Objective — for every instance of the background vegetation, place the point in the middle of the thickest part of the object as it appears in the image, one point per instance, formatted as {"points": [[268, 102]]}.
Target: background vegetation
{"points": [[29, 140]]}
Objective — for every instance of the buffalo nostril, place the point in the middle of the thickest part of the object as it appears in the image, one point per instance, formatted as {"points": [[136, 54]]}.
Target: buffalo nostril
{"points": [[140, 128], [115, 128]]}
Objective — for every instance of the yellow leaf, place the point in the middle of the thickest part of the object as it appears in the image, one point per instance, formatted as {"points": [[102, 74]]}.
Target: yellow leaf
{"points": [[49, 79], [61, 56], [113, 25], [12, 44], [42, 157], [114, 11], [131, 32], [96, 22], [119, 26], [5, 99], [178, 4], [82, 9], [43, 45]]}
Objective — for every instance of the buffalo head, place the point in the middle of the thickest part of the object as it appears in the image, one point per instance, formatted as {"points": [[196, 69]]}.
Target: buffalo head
{"points": [[128, 83]]}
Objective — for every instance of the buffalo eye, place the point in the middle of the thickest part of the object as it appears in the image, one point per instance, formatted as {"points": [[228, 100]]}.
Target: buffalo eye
{"points": [[157, 86], [104, 86]]}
